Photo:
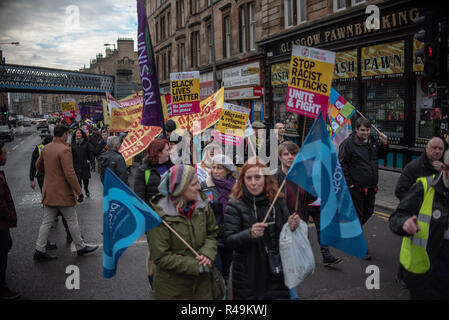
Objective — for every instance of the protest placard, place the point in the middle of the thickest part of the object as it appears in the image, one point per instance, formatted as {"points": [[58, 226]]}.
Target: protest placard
{"points": [[232, 124], [309, 81], [185, 93], [138, 139], [210, 110]]}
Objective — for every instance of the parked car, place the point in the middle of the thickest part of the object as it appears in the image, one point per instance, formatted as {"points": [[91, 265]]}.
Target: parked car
{"points": [[6, 133], [26, 122], [42, 125]]}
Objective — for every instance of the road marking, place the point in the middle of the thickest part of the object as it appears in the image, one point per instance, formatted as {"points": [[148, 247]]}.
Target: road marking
{"points": [[100, 245], [383, 214], [15, 147], [381, 217], [22, 142]]}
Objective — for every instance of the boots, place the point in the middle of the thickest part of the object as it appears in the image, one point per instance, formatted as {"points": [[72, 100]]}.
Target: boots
{"points": [[328, 258]]}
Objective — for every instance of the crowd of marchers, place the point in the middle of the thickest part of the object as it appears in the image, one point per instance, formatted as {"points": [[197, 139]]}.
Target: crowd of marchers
{"points": [[219, 206]]}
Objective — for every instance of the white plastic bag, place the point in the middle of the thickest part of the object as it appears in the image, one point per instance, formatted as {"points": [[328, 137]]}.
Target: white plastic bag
{"points": [[297, 257]]}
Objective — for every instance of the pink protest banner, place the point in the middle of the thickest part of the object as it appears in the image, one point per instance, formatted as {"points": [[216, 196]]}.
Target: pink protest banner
{"points": [[309, 82]]}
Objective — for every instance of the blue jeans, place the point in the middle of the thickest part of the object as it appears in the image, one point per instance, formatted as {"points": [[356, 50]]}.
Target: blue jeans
{"points": [[293, 294]]}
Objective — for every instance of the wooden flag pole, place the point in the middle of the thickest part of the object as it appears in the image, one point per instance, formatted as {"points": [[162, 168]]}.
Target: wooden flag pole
{"points": [[180, 238], [275, 198]]}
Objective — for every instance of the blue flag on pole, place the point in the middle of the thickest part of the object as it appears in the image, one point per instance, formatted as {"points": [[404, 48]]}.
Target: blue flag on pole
{"points": [[316, 169], [126, 218]]}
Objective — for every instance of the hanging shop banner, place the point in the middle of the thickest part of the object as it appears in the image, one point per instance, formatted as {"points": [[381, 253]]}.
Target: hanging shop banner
{"points": [[340, 111], [123, 119], [346, 65], [232, 124], [185, 93], [68, 105], [138, 139], [243, 93], [383, 59], [210, 110], [279, 74], [309, 81]]}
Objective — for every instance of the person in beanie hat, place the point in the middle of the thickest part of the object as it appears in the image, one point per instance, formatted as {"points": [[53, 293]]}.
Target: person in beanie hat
{"points": [[218, 187], [178, 273]]}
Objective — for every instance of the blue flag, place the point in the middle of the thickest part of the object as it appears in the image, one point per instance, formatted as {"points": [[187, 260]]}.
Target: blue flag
{"points": [[126, 218], [316, 169]]}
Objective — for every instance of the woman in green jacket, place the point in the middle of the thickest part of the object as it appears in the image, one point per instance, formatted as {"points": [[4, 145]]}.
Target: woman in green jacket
{"points": [[179, 274]]}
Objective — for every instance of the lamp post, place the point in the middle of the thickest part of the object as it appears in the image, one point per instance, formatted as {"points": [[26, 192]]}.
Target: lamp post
{"points": [[115, 69]]}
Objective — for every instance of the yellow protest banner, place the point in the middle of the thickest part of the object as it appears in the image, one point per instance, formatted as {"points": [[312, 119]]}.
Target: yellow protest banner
{"points": [[106, 117], [309, 81], [122, 119], [232, 124], [138, 139], [68, 105]]}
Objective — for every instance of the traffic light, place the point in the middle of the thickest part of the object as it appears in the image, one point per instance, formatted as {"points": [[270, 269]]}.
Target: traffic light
{"points": [[4, 111], [431, 52]]}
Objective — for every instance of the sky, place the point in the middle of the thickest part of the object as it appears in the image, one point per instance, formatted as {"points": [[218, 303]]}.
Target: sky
{"points": [[63, 34]]}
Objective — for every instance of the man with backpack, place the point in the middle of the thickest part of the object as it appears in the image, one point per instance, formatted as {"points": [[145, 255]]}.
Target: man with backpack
{"points": [[113, 160]]}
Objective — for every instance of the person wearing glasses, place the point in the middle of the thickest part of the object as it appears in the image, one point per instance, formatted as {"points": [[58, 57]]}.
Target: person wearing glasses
{"points": [[421, 218], [255, 272]]}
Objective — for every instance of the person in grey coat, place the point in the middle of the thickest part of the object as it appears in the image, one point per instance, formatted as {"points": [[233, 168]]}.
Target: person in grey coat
{"points": [[113, 160]]}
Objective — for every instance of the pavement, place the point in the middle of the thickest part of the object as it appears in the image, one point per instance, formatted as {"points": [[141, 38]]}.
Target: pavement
{"points": [[385, 198]]}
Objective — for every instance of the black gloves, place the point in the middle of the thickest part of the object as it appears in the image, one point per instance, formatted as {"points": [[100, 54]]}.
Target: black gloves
{"points": [[80, 198]]}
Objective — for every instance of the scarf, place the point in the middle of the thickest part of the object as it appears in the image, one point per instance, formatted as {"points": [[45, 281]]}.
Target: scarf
{"points": [[224, 188], [187, 210], [79, 141]]}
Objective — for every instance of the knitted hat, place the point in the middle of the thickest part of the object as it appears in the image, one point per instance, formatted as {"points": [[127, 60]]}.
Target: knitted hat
{"points": [[175, 180], [225, 161]]}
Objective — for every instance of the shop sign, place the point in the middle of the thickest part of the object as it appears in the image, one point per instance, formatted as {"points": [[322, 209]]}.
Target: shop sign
{"points": [[383, 59], [309, 81], [244, 75], [206, 89], [243, 93], [346, 65], [279, 73], [388, 21]]}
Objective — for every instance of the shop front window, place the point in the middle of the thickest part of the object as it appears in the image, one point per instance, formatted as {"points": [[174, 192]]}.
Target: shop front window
{"points": [[385, 107], [427, 115]]}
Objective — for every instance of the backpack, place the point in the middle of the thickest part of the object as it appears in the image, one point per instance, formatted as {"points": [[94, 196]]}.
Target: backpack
{"points": [[106, 163]]}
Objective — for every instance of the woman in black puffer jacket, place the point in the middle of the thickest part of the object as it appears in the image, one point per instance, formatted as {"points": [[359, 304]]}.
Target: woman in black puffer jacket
{"points": [[250, 239], [83, 158], [155, 164]]}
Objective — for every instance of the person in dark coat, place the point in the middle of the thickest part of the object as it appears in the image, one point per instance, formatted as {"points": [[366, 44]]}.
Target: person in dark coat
{"points": [[250, 238], [102, 143], [422, 219], [113, 160], [429, 163], [94, 139], [148, 175], [83, 158], [46, 139], [218, 187], [358, 156], [8, 220]]}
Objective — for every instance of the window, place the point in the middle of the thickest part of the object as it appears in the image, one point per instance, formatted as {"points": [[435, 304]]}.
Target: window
{"points": [[301, 5], [168, 24], [162, 28], [180, 19], [242, 20], [157, 32], [227, 37], [339, 5], [252, 27], [197, 6], [182, 57], [195, 49], [294, 12], [169, 62], [288, 13]]}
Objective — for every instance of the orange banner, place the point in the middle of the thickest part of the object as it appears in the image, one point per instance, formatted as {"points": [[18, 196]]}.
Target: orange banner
{"points": [[210, 110], [138, 139], [383, 59]]}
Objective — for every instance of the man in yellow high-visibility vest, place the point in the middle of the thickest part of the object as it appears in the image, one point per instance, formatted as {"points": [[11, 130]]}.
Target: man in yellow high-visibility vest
{"points": [[422, 218]]}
